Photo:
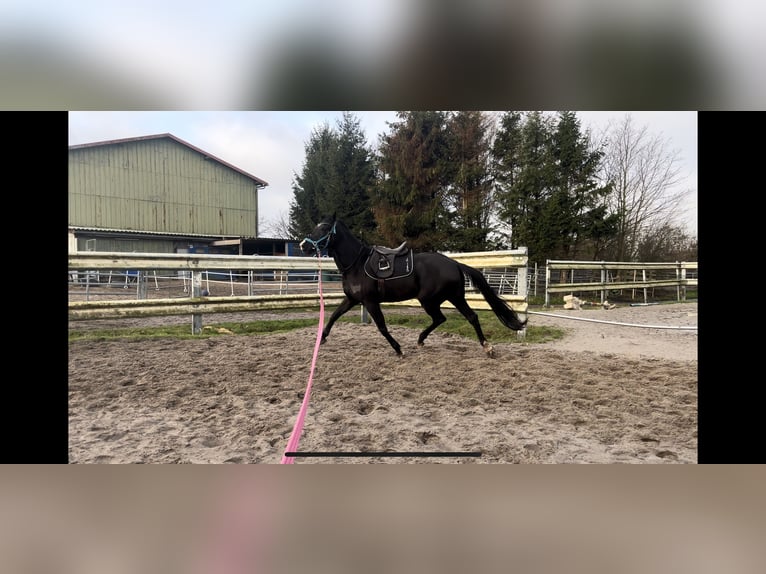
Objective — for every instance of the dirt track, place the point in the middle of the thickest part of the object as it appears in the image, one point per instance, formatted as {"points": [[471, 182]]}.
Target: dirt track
{"points": [[606, 393]]}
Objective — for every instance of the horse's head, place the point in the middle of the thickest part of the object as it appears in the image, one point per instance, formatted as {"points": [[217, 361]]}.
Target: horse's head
{"points": [[320, 238]]}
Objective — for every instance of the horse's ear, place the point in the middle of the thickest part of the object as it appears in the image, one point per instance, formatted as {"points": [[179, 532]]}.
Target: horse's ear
{"points": [[334, 215]]}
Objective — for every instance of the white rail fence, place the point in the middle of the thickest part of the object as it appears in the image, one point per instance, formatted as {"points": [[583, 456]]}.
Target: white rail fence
{"points": [[92, 272], [605, 276]]}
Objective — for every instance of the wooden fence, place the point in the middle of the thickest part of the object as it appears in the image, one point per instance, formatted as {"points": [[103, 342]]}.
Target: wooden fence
{"points": [[496, 263], [618, 275]]}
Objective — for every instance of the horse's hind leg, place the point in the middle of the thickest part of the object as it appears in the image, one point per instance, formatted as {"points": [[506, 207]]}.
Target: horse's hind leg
{"points": [[462, 305], [377, 315], [434, 310]]}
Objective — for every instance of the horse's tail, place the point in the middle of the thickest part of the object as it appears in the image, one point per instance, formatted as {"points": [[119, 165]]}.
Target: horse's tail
{"points": [[504, 312]]}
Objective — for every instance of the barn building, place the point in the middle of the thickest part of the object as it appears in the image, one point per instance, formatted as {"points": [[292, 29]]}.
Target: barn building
{"points": [[160, 194]]}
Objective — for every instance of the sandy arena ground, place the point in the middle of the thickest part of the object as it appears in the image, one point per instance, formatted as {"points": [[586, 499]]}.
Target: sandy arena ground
{"points": [[606, 393]]}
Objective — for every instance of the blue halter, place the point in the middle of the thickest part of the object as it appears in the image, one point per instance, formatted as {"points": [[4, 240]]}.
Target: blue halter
{"points": [[326, 238]]}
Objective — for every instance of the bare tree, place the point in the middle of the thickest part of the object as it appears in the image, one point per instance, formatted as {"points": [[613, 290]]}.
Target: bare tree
{"points": [[276, 228], [645, 174]]}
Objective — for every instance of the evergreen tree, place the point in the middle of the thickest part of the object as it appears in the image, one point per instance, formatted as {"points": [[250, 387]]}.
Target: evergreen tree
{"points": [[469, 198], [310, 188], [506, 164], [525, 204], [576, 211], [548, 189], [408, 200], [355, 170], [338, 174]]}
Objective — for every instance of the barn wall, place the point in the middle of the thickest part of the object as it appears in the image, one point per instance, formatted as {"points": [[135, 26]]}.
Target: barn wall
{"points": [[159, 185]]}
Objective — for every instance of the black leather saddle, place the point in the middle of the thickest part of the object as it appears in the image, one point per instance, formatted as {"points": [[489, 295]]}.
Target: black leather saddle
{"points": [[388, 263]]}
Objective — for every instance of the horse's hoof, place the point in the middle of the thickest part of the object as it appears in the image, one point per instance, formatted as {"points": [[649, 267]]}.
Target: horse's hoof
{"points": [[489, 350]]}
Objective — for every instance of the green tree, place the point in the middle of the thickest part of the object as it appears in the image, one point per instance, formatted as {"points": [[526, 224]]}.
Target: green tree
{"points": [[550, 197], [576, 210], [506, 164], [310, 187], [412, 165], [354, 179], [527, 203], [337, 176], [469, 196]]}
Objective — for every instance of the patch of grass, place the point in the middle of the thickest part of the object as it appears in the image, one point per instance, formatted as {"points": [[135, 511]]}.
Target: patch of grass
{"points": [[455, 324], [133, 333]]}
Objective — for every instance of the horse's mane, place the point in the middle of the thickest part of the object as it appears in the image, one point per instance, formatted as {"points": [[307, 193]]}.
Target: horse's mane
{"points": [[336, 221]]}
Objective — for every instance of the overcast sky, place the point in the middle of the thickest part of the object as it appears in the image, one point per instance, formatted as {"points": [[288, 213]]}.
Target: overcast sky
{"points": [[271, 144]]}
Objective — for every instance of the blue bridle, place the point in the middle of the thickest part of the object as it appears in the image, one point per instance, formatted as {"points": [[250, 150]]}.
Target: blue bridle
{"points": [[326, 238]]}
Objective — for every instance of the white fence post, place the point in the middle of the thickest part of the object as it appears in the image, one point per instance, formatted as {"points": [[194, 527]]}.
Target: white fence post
{"points": [[547, 282], [196, 292]]}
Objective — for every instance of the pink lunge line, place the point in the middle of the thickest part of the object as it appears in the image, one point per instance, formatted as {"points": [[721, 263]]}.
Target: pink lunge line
{"points": [[292, 444]]}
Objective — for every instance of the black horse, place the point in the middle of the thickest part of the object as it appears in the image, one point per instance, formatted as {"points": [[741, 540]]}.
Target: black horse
{"points": [[372, 275]]}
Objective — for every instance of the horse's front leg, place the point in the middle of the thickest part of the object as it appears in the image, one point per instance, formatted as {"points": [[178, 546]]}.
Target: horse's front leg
{"points": [[344, 306], [377, 315]]}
